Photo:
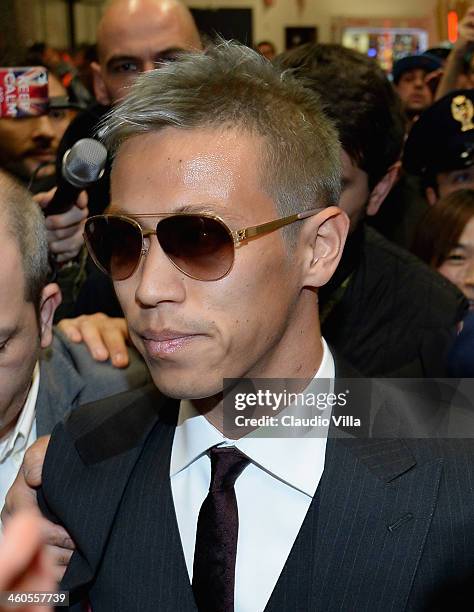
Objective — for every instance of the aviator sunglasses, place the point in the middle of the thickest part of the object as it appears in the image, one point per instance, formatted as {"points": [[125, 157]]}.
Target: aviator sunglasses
{"points": [[200, 245]]}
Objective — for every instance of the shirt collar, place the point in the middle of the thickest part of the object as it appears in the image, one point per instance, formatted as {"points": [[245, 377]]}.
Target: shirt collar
{"points": [[288, 459], [18, 437]]}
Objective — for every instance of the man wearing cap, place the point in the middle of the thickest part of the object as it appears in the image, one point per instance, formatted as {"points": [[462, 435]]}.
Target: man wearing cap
{"points": [[410, 81], [440, 147]]}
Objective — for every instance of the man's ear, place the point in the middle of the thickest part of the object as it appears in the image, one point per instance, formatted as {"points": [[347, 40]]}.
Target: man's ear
{"points": [[50, 300], [383, 188], [100, 90], [324, 236], [431, 195]]}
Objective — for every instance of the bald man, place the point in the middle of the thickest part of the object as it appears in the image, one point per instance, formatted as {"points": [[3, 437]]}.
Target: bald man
{"points": [[133, 36]]}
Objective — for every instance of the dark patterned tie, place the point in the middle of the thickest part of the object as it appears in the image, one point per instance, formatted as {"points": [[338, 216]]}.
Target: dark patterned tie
{"points": [[216, 534]]}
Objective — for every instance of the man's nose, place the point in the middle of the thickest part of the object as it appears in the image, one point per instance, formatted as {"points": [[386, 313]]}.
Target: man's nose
{"points": [[159, 280], [43, 129]]}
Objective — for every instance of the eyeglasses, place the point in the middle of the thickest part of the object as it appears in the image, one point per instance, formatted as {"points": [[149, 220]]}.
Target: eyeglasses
{"points": [[200, 245]]}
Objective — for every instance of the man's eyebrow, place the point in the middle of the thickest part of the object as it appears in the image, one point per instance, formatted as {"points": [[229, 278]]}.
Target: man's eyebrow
{"points": [[187, 208], [170, 51], [122, 58], [209, 210]]}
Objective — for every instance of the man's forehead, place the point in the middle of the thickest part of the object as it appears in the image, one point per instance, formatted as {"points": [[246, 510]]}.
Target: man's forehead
{"points": [[145, 32], [414, 72]]}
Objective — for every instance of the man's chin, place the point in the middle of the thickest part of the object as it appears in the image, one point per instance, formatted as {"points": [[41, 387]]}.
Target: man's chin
{"points": [[181, 387]]}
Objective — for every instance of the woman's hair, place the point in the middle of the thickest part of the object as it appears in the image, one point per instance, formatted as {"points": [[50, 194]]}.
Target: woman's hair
{"points": [[440, 228]]}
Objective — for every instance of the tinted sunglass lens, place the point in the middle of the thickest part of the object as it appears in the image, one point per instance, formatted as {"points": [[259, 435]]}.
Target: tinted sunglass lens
{"points": [[199, 246], [115, 244]]}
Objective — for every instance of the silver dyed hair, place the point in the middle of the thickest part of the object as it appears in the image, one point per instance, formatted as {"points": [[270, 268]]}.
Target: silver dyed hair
{"points": [[232, 87], [25, 223]]}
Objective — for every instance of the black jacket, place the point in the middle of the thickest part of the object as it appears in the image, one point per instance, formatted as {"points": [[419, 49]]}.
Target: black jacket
{"points": [[387, 313]]}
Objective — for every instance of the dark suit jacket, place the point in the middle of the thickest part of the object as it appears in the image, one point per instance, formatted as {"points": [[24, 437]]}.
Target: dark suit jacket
{"points": [[391, 526]]}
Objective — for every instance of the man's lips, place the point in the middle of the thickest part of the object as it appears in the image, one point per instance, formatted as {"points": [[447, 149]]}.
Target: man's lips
{"points": [[41, 154], [167, 342], [417, 98]]}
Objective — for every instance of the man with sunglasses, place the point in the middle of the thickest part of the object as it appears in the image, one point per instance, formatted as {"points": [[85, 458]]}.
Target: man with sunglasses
{"points": [[221, 231]]}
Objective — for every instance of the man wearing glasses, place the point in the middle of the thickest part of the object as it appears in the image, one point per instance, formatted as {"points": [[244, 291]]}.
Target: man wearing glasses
{"points": [[222, 229]]}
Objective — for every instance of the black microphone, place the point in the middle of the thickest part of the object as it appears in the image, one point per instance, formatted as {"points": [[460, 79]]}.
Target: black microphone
{"points": [[82, 165]]}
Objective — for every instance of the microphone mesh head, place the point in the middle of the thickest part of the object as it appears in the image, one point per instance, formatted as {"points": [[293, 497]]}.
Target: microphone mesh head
{"points": [[84, 163]]}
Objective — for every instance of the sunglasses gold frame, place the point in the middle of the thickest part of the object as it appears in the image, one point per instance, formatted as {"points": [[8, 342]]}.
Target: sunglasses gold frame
{"points": [[237, 236]]}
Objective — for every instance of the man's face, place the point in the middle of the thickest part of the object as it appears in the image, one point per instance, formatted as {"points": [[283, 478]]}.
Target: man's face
{"points": [[194, 333], [19, 334], [27, 143], [448, 182], [413, 91], [135, 41], [355, 190]]}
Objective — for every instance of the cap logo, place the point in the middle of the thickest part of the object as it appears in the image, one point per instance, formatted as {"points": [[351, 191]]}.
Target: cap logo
{"points": [[462, 110]]}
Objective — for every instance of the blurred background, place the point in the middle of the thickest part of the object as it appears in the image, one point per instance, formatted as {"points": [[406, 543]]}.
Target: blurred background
{"points": [[383, 29]]}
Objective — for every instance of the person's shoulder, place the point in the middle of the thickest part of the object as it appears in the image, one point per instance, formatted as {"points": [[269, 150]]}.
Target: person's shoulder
{"points": [[112, 426], [115, 411], [457, 454], [100, 379]]}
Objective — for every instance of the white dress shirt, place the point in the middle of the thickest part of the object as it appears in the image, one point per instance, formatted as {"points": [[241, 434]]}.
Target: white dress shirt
{"points": [[14, 445], [273, 494]]}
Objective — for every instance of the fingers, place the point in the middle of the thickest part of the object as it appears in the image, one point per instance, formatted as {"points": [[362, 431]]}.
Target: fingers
{"points": [[59, 546], [22, 493], [21, 541], [71, 329], [64, 248], [56, 537], [105, 337], [45, 197], [60, 560], [64, 231], [20, 496], [25, 564], [113, 336], [82, 200], [72, 217], [33, 461]]}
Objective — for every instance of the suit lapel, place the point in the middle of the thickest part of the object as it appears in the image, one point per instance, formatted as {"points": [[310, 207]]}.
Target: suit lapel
{"points": [[375, 512], [362, 538], [108, 454], [361, 541]]}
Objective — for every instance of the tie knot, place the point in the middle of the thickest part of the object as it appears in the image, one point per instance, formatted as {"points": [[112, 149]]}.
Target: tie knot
{"points": [[227, 463]]}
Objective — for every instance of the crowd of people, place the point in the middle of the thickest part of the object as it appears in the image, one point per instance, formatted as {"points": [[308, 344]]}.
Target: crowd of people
{"points": [[301, 216]]}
